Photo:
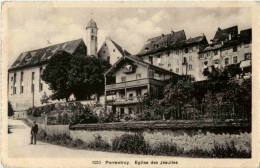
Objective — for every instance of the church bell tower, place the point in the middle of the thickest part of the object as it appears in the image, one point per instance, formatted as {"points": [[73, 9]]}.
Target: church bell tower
{"points": [[91, 38]]}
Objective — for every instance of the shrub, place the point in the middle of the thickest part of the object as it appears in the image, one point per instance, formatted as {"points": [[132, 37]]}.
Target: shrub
{"points": [[99, 144], [106, 116], [168, 149], [229, 151], [83, 115], [65, 119], [29, 111], [10, 109], [130, 144]]}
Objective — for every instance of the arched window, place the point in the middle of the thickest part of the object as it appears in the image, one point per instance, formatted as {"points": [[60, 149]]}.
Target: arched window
{"points": [[92, 37]]}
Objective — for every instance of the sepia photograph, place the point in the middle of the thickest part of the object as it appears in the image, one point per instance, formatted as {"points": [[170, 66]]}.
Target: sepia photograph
{"points": [[150, 82]]}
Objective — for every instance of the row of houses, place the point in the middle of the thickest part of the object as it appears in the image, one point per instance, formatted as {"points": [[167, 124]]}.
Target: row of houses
{"points": [[192, 56], [162, 58], [173, 56]]}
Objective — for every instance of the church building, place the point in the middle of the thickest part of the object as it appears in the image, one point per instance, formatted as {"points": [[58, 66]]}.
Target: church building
{"points": [[25, 86]]}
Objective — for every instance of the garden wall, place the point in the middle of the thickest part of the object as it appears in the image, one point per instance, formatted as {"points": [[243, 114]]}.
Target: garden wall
{"points": [[49, 129], [186, 135]]}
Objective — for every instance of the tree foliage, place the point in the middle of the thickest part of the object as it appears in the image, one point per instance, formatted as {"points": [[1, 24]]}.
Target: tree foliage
{"points": [[56, 75], [86, 76], [79, 75]]}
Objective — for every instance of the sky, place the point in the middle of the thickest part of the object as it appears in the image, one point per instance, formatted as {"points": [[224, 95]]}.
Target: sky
{"points": [[32, 28]]}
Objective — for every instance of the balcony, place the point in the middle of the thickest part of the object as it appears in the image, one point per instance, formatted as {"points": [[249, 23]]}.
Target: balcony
{"points": [[127, 100], [135, 83]]}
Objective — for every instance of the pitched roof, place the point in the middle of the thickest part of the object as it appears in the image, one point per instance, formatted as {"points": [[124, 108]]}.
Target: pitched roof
{"points": [[243, 36], [162, 42], [120, 49], [191, 41], [139, 60], [34, 57], [211, 48], [222, 35]]}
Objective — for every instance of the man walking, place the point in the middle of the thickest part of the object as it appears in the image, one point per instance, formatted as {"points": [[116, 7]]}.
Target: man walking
{"points": [[34, 132]]}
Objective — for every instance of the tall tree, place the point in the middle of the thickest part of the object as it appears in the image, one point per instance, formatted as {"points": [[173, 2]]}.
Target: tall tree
{"points": [[56, 75], [86, 76]]}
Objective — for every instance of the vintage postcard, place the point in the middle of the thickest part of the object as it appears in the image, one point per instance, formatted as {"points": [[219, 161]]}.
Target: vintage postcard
{"points": [[130, 84]]}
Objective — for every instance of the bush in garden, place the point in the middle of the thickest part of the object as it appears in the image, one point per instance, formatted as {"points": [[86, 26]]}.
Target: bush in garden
{"points": [[59, 120], [130, 144], [65, 119], [229, 151], [106, 116], [83, 115], [167, 149], [10, 109], [29, 111], [99, 144], [36, 112]]}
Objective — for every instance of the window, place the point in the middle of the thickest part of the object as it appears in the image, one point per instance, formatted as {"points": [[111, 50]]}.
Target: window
{"points": [[201, 56], [177, 70], [235, 60], [138, 76], [105, 44], [14, 91], [92, 37], [114, 50], [108, 59], [92, 30], [184, 60], [123, 79], [235, 49], [40, 87], [122, 112], [168, 54], [171, 70], [96, 38], [216, 52], [32, 76], [169, 65], [104, 52], [21, 76], [118, 58], [206, 63], [160, 64], [226, 61], [21, 89], [247, 56], [190, 67], [32, 88], [21, 83], [14, 78], [158, 56]]}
